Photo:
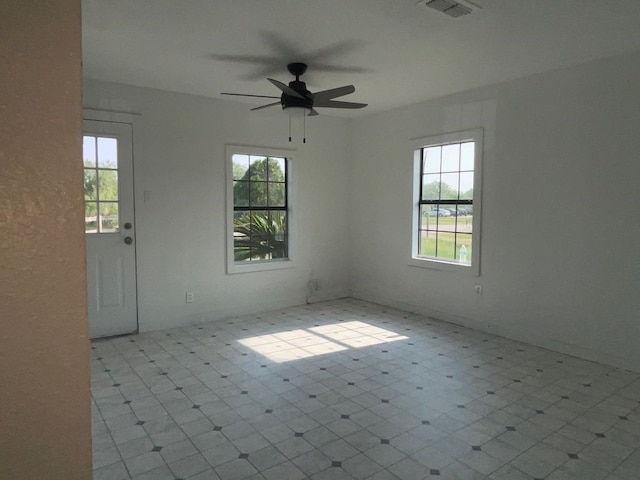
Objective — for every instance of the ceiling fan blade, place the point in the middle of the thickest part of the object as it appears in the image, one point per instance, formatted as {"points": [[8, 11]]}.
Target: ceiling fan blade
{"points": [[333, 93], [335, 104], [266, 106], [313, 113], [247, 95], [250, 59], [285, 88]]}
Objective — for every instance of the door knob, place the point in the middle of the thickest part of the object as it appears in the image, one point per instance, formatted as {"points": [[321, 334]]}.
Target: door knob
{"points": [[128, 240], [127, 226]]}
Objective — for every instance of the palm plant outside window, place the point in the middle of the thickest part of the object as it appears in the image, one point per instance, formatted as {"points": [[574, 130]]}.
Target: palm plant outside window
{"points": [[260, 202]]}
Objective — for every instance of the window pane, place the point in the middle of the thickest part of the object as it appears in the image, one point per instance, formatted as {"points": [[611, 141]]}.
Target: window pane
{"points": [[431, 187], [241, 252], [261, 230], [464, 220], [428, 243], [277, 247], [445, 246], [258, 194], [466, 186], [431, 214], [241, 236], [276, 195], [108, 216], [428, 216], [276, 169], [467, 152], [240, 166], [432, 159], [451, 158], [259, 248], [89, 151], [108, 189], [447, 218], [90, 217], [463, 248], [107, 152], [449, 186], [258, 168], [90, 192], [241, 194], [279, 221]]}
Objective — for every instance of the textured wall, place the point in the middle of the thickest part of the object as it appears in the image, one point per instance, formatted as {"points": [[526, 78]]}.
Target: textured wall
{"points": [[45, 426]]}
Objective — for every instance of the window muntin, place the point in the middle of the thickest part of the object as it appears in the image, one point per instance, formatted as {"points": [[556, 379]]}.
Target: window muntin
{"points": [[260, 208], [446, 195], [100, 158]]}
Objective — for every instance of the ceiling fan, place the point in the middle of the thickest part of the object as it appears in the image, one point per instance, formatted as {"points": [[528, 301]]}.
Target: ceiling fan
{"points": [[295, 96]]}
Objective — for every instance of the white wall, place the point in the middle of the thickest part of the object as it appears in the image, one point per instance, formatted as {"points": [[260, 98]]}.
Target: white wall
{"points": [[179, 160], [560, 257]]}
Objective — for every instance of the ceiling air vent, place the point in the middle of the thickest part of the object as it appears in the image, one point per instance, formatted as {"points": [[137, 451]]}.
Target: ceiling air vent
{"points": [[452, 8]]}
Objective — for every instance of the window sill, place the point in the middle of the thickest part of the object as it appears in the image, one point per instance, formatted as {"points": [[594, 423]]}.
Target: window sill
{"points": [[470, 270], [264, 266]]}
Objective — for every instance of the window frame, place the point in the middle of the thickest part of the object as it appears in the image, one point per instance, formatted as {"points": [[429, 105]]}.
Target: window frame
{"points": [[476, 136], [234, 267]]}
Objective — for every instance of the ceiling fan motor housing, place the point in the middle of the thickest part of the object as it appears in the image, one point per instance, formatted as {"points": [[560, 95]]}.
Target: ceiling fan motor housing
{"points": [[289, 101]]}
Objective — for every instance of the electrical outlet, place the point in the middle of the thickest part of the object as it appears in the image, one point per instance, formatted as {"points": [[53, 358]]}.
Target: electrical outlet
{"points": [[478, 289], [189, 297]]}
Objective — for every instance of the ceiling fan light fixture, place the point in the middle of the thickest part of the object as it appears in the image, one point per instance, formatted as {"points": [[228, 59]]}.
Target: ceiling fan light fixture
{"points": [[295, 111]]}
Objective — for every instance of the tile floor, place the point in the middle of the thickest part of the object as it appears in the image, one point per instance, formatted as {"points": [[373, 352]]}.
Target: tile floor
{"points": [[352, 390]]}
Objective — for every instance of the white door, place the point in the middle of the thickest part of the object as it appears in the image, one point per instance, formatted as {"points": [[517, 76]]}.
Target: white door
{"points": [[110, 228]]}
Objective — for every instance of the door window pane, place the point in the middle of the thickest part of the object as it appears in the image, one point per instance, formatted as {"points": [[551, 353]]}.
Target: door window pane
{"points": [[90, 217], [108, 217], [89, 151], [90, 190], [100, 157], [108, 188], [107, 152]]}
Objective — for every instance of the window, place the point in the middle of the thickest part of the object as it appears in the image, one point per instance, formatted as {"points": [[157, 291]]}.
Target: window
{"points": [[100, 157], [258, 218], [447, 201]]}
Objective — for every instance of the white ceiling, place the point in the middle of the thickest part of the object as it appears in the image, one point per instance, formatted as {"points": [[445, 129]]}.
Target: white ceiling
{"points": [[399, 52]]}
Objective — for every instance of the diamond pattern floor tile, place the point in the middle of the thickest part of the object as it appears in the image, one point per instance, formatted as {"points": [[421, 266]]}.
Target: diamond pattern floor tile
{"points": [[349, 389]]}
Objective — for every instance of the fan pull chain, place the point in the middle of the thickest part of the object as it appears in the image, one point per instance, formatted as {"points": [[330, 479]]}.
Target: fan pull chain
{"points": [[289, 129], [304, 127]]}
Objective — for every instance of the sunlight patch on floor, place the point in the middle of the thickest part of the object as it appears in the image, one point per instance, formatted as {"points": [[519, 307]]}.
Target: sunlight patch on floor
{"points": [[303, 343]]}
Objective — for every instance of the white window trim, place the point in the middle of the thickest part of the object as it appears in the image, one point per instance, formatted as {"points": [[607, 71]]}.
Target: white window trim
{"points": [[456, 137], [266, 265]]}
